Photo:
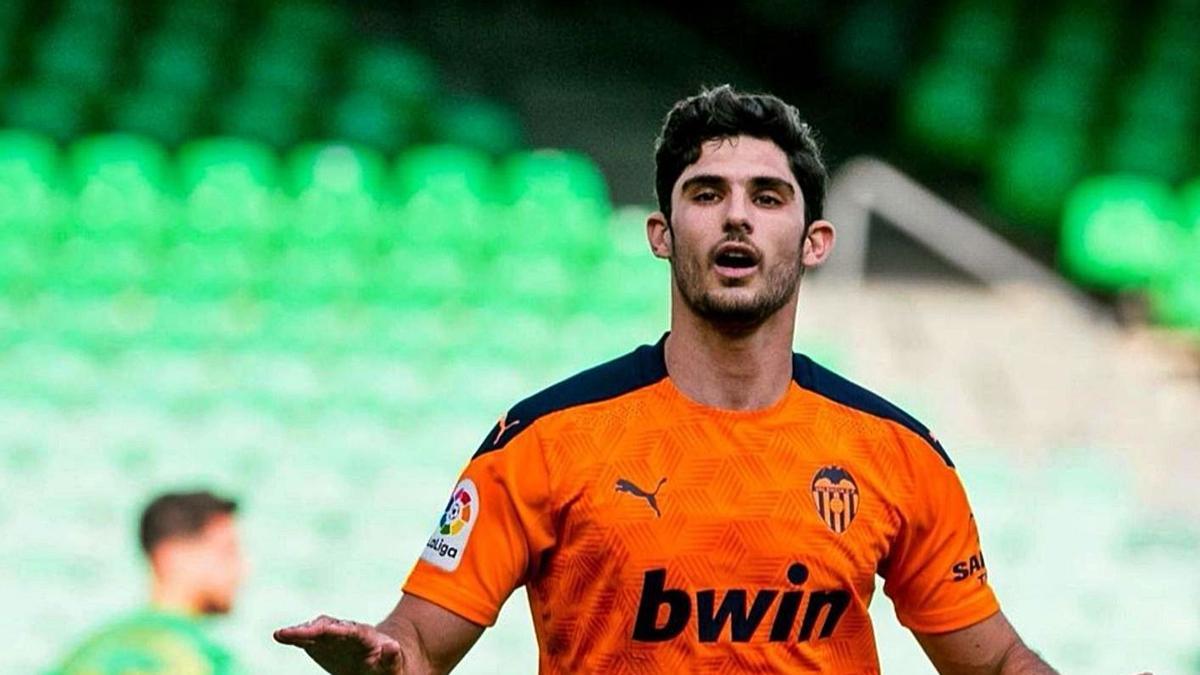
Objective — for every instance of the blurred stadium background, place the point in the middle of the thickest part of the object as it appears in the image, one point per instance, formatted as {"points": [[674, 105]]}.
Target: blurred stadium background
{"points": [[305, 253]]}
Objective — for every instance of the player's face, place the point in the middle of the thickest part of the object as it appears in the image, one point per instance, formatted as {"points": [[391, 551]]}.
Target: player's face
{"points": [[217, 565], [736, 236]]}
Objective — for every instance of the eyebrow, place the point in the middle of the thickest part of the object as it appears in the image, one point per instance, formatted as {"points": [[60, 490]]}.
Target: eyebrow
{"points": [[757, 183]]}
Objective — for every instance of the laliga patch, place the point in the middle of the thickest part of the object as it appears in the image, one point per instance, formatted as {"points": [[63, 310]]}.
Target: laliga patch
{"points": [[445, 548]]}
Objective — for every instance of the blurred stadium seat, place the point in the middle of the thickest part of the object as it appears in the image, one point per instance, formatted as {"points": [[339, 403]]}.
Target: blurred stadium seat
{"points": [[1121, 232], [50, 108]]}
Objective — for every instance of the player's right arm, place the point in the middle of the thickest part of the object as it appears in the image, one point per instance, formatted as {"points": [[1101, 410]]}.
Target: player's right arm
{"points": [[418, 637], [496, 528]]}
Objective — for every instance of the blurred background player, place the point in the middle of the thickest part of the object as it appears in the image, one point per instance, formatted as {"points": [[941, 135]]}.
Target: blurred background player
{"points": [[191, 543]]}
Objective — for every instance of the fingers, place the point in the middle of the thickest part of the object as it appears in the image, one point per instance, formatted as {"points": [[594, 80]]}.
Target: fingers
{"points": [[321, 628], [389, 656]]}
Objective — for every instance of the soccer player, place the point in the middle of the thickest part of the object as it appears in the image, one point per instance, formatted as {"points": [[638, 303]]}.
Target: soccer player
{"points": [[196, 566], [713, 502]]}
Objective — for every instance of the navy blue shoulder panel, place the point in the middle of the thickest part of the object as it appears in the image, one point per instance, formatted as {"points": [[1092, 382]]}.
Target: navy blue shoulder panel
{"points": [[640, 368], [810, 375]]}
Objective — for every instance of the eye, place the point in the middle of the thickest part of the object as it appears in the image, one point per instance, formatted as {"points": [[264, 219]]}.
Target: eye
{"points": [[706, 196], [768, 199]]}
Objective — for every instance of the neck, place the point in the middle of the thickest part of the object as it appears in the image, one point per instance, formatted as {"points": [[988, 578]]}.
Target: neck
{"points": [[746, 369], [170, 598]]}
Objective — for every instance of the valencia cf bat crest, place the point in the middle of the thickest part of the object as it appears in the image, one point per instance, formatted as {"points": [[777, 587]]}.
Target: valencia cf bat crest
{"points": [[835, 494]]}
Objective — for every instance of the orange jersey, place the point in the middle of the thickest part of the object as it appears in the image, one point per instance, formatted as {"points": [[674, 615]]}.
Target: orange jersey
{"points": [[655, 534]]}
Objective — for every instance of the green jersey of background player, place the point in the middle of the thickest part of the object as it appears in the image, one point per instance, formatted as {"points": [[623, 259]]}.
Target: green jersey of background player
{"points": [[196, 566]]}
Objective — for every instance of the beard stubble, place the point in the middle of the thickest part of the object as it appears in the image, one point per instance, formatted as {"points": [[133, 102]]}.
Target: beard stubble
{"points": [[735, 313]]}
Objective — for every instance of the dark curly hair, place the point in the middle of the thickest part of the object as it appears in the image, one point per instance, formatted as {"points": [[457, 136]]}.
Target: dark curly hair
{"points": [[723, 112]]}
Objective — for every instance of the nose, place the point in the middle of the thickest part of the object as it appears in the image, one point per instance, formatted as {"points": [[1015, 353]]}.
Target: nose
{"points": [[737, 217]]}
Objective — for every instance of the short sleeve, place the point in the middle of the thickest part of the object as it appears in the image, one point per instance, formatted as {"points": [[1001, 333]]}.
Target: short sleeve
{"points": [[492, 533], [935, 572]]}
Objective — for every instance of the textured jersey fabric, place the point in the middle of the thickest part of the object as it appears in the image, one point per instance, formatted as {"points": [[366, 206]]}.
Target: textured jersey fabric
{"points": [[656, 534]]}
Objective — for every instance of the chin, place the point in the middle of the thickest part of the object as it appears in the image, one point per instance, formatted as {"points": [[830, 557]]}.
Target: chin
{"points": [[737, 309], [740, 315], [216, 607], [733, 302]]}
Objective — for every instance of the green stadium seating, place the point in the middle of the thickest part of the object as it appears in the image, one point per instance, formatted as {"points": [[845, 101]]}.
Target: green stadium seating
{"points": [[450, 171], [122, 182], [319, 24], [1160, 152], [558, 200], [285, 64], [179, 62], [950, 109], [110, 14], [1059, 93], [316, 275], [29, 168], [871, 47], [371, 118], [198, 269], [338, 190], [1033, 169], [477, 123], [23, 266], [539, 282], [90, 267], [630, 285], [1120, 232], [169, 117], [447, 195], [421, 278], [1160, 98], [1082, 36], [229, 186], [187, 325], [272, 117], [206, 18], [626, 231], [236, 162], [1175, 300], [1189, 196], [980, 35], [78, 55], [555, 176], [129, 159], [1170, 42], [334, 167], [405, 76], [1158, 122], [11, 16], [56, 110]]}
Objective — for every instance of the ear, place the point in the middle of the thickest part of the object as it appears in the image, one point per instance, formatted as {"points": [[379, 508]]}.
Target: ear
{"points": [[164, 559], [818, 243], [658, 233]]}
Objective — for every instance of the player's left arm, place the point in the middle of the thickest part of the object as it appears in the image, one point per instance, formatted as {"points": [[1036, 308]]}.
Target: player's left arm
{"points": [[936, 575], [990, 647]]}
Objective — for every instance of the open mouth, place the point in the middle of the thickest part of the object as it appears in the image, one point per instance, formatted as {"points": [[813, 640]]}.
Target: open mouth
{"points": [[735, 258]]}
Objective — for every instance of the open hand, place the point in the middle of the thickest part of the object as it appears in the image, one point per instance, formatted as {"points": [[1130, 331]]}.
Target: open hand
{"points": [[345, 647]]}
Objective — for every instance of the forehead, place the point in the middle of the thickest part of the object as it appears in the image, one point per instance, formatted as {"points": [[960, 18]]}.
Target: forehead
{"points": [[219, 528], [740, 158]]}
